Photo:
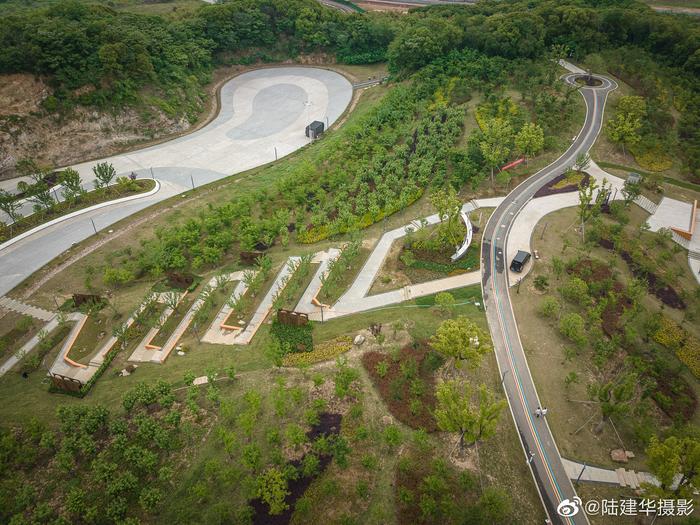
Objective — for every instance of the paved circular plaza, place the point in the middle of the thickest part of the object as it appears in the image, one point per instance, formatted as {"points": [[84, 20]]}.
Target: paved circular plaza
{"points": [[261, 111]]}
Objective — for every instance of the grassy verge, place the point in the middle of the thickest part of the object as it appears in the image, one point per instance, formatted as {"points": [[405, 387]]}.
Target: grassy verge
{"points": [[332, 289], [94, 332], [17, 329], [174, 320], [669, 180], [62, 208], [563, 373]]}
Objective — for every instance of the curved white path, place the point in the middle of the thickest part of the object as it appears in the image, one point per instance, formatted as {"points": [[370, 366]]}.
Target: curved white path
{"points": [[263, 116]]}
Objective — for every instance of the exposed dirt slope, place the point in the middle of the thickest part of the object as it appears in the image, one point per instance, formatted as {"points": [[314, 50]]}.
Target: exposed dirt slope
{"points": [[28, 130]]}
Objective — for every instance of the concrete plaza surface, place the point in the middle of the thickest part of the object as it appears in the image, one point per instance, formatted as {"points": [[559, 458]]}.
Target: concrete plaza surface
{"points": [[260, 110]]}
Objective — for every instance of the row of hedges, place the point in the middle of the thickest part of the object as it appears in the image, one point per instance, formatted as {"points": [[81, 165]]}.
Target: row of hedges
{"points": [[319, 233]]}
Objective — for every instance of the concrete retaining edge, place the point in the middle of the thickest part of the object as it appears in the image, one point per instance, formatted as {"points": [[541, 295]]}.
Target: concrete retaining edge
{"points": [[77, 213]]}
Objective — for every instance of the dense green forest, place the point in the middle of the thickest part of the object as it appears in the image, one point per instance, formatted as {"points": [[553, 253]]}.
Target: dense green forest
{"points": [[94, 54]]}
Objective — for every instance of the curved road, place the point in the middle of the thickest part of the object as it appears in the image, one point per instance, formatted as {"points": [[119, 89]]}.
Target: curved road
{"points": [[548, 471], [263, 116]]}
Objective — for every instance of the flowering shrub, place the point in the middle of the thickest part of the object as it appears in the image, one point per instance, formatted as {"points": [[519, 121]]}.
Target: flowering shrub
{"points": [[669, 334], [687, 346], [652, 158], [689, 354], [322, 352]]}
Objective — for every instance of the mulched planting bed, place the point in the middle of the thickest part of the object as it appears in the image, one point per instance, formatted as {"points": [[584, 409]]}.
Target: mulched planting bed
{"points": [[671, 392], [408, 386], [433, 484], [329, 425], [596, 274], [675, 397], [550, 189], [665, 293], [432, 264]]}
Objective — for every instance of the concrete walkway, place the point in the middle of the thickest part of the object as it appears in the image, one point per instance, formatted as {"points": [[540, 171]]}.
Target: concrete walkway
{"points": [[621, 477], [13, 305], [356, 298]]}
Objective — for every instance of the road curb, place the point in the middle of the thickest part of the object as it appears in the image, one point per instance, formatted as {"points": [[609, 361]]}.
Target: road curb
{"points": [[77, 213]]}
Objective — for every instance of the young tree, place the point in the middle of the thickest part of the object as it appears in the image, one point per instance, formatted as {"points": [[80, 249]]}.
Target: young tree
{"points": [[72, 185], [550, 307], [630, 191], [573, 327], [583, 161], [445, 301], [529, 140], [496, 142], [272, 489], [463, 340], [121, 334], [172, 300], [614, 396], [586, 206], [624, 127], [275, 351], [448, 207], [38, 192], [457, 412], [9, 204], [104, 174], [676, 464]]}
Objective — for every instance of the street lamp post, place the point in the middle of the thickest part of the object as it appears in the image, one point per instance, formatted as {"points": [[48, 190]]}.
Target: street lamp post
{"points": [[503, 376]]}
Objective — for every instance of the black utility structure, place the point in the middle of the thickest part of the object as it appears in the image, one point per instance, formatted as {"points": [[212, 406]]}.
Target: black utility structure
{"points": [[519, 261], [634, 178], [315, 129]]}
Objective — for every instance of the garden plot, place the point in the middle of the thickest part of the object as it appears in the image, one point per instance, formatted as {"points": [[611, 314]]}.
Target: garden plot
{"points": [[220, 331], [146, 351], [17, 329], [223, 332], [63, 365], [417, 258], [357, 298], [244, 336], [309, 299]]}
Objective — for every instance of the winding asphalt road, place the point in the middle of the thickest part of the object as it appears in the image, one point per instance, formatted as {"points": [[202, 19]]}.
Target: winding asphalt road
{"points": [[548, 471]]}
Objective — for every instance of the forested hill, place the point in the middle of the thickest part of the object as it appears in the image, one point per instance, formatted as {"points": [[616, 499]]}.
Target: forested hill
{"points": [[111, 54], [91, 54], [78, 44]]}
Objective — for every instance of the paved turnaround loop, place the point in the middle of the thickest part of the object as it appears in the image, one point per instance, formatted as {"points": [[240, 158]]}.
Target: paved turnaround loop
{"points": [[263, 116], [548, 471]]}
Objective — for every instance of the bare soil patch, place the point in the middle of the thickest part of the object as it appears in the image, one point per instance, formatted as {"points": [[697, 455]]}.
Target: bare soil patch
{"points": [[406, 382]]}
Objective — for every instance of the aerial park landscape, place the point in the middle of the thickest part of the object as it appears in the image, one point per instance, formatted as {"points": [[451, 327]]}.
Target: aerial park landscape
{"points": [[370, 262]]}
